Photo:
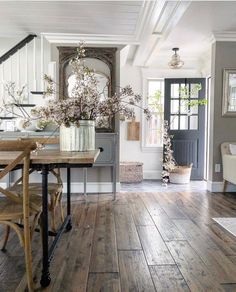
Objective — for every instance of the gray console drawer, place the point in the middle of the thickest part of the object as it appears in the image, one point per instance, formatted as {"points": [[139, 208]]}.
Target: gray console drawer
{"points": [[107, 142]]}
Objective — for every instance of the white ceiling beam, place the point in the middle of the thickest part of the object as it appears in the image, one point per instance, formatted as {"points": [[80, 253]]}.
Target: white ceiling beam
{"points": [[153, 10], [90, 39], [124, 54], [163, 16], [171, 16]]}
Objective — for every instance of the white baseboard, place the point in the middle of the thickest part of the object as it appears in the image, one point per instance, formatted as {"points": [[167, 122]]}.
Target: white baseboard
{"points": [[217, 187], [152, 174], [92, 187], [3, 185]]}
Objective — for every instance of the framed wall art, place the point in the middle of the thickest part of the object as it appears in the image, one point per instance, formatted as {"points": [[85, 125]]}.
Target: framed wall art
{"points": [[229, 93]]}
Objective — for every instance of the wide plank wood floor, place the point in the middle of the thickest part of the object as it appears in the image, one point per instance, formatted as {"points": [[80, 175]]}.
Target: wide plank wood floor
{"points": [[141, 242]]}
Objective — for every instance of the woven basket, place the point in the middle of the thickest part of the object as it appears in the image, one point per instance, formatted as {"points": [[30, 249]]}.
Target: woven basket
{"points": [[181, 174], [131, 172]]}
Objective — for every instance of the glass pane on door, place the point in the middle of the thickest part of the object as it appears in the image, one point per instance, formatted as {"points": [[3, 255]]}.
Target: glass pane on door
{"points": [[174, 122], [193, 123], [174, 90], [193, 90], [174, 106], [183, 122], [194, 109]]}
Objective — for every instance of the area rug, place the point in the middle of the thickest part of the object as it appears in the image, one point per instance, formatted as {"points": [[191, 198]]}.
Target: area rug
{"points": [[228, 223]]}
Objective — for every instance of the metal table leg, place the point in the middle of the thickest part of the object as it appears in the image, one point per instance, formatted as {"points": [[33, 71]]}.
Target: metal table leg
{"points": [[45, 278], [85, 182], [69, 224], [114, 181]]}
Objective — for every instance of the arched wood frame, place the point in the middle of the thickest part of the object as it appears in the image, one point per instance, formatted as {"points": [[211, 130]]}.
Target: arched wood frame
{"points": [[106, 55]]}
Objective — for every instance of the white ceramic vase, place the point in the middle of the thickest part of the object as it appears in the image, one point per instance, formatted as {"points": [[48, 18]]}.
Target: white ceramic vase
{"points": [[76, 138]]}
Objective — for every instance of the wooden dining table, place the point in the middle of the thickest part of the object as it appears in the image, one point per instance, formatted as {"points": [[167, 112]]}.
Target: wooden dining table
{"points": [[44, 160]]}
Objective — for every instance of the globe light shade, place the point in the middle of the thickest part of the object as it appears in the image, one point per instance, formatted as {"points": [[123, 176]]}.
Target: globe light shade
{"points": [[175, 62]]}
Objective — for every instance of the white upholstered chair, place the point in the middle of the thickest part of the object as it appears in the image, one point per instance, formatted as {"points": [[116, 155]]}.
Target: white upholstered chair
{"points": [[229, 164]]}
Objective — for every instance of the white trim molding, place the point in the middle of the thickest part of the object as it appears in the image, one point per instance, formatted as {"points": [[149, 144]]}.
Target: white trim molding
{"points": [[92, 187], [217, 187], [152, 174], [223, 36]]}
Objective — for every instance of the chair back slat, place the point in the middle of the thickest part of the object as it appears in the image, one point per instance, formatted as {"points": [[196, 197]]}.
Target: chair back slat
{"points": [[46, 141], [23, 157], [9, 145], [10, 195]]}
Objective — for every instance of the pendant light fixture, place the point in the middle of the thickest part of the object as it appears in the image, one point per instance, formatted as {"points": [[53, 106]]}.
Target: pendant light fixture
{"points": [[175, 62]]}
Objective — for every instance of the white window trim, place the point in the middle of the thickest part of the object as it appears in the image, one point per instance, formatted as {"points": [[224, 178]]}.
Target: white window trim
{"points": [[144, 147]]}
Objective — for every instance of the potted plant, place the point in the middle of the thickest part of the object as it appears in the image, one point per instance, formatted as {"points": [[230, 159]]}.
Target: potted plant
{"points": [[76, 114]]}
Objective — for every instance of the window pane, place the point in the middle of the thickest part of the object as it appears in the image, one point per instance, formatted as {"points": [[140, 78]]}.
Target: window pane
{"points": [[174, 90], [155, 100], [174, 106], [184, 107], [194, 109], [154, 86], [174, 122], [154, 130], [194, 90], [193, 123], [184, 91], [183, 122]]}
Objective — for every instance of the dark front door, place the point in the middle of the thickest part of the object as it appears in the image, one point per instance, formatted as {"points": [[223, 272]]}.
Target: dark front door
{"points": [[187, 123]]}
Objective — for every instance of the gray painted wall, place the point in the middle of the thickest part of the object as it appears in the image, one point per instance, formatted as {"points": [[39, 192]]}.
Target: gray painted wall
{"points": [[221, 128]]}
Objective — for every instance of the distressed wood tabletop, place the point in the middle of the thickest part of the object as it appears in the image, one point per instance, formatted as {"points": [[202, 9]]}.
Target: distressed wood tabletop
{"points": [[49, 156]]}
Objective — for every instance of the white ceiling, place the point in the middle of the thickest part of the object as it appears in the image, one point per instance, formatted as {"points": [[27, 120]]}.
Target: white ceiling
{"points": [[149, 28], [194, 32], [82, 17]]}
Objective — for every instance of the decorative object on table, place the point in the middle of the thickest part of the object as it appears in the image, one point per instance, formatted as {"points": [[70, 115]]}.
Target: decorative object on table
{"points": [[171, 170], [15, 106], [229, 93], [133, 131], [131, 172], [175, 62], [76, 114], [23, 125]]}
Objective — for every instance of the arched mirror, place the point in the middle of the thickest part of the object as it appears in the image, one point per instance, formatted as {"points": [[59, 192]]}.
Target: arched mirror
{"points": [[96, 59], [102, 74]]}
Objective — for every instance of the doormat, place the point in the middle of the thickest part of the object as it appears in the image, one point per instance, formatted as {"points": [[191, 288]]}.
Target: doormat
{"points": [[228, 223]]}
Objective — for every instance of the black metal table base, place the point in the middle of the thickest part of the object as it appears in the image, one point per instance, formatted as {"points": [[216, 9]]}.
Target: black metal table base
{"points": [[46, 279], [66, 225]]}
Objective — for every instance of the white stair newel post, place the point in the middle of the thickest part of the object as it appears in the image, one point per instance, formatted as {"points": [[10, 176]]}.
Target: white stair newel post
{"points": [[34, 65], [10, 68], [2, 82], [26, 71], [18, 69], [42, 63]]}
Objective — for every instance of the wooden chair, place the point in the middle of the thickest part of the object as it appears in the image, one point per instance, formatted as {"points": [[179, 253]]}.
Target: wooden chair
{"points": [[54, 188], [15, 207]]}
